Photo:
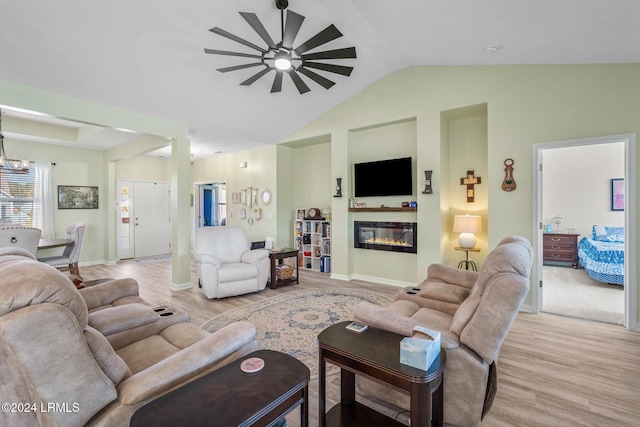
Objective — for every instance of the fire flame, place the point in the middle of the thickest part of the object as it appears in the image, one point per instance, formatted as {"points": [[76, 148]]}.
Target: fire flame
{"points": [[387, 241]]}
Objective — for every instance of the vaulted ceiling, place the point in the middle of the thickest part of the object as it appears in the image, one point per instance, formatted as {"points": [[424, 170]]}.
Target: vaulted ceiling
{"points": [[148, 55]]}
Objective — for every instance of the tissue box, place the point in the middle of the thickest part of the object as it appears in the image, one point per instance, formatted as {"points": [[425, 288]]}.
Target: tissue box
{"points": [[419, 352]]}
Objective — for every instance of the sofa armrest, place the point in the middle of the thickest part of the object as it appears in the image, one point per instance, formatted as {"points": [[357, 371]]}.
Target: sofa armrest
{"points": [[185, 364], [254, 256], [108, 292], [453, 275], [121, 318], [384, 318], [208, 259]]}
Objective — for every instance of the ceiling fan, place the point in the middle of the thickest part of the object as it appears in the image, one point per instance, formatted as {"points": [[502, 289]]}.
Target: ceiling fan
{"points": [[283, 57]]}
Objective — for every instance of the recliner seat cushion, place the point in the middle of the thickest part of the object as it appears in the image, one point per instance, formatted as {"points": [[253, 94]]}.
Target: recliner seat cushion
{"points": [[235, 271]]}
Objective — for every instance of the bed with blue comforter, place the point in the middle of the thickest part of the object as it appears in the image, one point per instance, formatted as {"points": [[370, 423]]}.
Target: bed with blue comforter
{"points": [[602, 254]]}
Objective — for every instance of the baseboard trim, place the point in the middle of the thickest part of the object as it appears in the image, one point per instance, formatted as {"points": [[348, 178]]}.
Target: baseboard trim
{"points": [[180, 286], [397, 283], [381, 280], [527, 308]]}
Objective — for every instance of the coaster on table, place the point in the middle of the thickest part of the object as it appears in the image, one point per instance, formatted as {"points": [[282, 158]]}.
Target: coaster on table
{"points": [[253, 364]]}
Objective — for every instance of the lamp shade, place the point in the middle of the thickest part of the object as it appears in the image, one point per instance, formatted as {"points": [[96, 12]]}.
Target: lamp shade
{"points": [[466, 225]]}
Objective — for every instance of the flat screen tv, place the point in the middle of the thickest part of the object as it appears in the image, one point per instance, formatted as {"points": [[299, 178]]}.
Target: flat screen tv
{"points": [[383, 178]]}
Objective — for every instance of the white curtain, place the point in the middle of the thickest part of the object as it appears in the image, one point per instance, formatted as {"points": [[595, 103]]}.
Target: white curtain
{"points": [[42, 192]]}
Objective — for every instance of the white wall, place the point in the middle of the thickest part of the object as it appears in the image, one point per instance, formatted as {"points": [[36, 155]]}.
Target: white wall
{"points": [[577, 186]]}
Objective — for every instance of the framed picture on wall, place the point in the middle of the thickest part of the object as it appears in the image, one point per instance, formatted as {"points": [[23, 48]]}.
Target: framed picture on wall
{"points": [[617, 194], [77, 197]]}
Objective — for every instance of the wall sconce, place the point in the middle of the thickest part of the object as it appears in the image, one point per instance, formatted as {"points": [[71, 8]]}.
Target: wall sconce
{"points": [[427, 183], [243, 165], [466, 225], [338, 187]]}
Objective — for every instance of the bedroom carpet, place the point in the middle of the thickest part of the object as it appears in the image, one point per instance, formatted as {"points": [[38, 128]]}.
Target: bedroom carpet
{"points": [[291, 322], [571, 292]]}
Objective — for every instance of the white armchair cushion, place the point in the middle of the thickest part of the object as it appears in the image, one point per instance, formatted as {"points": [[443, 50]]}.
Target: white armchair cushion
{"points": [[234, 271]]}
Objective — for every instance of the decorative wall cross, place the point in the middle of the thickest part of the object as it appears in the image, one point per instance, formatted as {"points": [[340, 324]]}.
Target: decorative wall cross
{"points": [[470, 180]]}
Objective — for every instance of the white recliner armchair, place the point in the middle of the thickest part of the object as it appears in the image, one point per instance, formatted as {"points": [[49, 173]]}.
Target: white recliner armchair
{"points": [[226, 264]]}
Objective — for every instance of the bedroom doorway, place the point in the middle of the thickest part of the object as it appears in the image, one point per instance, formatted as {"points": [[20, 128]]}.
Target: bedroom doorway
{"points": [[210, 204], [572, 194]]}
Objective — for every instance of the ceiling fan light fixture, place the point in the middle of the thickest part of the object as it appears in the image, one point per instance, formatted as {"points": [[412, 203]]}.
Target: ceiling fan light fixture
{"points": [[280, 57], [282, 61]]}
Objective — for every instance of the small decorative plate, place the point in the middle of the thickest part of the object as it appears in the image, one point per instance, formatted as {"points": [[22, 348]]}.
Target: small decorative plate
{"points": [[253, 364]]}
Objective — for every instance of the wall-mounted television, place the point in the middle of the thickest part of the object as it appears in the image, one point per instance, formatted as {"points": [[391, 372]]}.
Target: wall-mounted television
{"points": [[391, 177]]}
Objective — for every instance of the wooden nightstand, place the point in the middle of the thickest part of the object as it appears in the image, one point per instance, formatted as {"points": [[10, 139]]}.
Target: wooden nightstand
{"points": [[559, 247]]}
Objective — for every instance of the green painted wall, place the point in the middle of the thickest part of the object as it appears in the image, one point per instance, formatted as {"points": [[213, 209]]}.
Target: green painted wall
{"points": [[525, 105]]}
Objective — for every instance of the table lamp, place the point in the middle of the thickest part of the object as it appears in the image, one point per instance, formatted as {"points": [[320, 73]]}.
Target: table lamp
{"points": [[466, 225]]}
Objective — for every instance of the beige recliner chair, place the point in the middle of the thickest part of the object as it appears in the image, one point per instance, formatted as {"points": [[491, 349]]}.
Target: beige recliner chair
{"points": [[226, 264], [51, 357], [473, 311]]}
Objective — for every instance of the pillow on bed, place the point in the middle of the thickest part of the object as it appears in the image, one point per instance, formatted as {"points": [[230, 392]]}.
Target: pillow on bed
{"points": [[602, 233]]}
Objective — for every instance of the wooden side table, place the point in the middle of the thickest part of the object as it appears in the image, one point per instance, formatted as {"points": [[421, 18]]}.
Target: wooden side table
{"points": [[375, 353], [277, 258], [230, 397], [467, 263]]}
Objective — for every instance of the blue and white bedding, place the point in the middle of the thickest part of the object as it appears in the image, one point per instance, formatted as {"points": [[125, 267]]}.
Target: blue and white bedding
{"points": [[602, 255]]}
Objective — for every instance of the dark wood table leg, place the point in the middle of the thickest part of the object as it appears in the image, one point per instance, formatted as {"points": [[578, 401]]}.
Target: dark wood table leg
{"points": [[322, 380], [347, 387], [304, 408], [297, 269], [438, 404], [420, 397], [273, 284]]}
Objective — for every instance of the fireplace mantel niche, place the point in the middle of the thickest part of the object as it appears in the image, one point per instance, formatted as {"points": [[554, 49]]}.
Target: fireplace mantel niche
{"points": [[386, 236]]}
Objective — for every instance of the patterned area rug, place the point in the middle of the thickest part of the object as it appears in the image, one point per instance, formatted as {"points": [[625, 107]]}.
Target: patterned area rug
{"points": [[291, 322]]}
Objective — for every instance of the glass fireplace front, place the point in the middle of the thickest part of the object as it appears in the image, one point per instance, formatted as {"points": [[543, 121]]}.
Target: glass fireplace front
{"points": [[386, 236]]}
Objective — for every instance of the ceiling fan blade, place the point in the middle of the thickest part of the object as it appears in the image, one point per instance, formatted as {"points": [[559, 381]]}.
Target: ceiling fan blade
{"points": [[292, 26], [324, 36], [277, 82], [223, 33], [257, 26], [346, 53], [255, 77], [239, 67], [226, 52], [301, 85], [332, 68], [322, 81]]}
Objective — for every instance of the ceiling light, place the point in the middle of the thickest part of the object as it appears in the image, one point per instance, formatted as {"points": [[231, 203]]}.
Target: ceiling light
{"points": [[8, 165], [282, 61]]}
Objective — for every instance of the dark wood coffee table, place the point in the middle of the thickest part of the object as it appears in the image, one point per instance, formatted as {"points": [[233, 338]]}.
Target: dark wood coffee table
{"points": [[229, 397], [375, 353]]}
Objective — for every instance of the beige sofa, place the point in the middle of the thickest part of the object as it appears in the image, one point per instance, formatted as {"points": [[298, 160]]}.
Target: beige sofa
{"points": [[473, 311], [95, 368]]}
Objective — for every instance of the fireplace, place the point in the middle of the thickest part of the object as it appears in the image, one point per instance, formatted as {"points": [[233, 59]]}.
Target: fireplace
{"points": [[386, 236]]}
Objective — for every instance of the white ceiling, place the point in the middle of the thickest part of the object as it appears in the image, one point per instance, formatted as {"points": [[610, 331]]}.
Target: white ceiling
{"points": [[148, 55]]}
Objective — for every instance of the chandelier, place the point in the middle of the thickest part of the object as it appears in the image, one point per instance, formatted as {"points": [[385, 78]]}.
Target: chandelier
{"points": [[8, 165]]}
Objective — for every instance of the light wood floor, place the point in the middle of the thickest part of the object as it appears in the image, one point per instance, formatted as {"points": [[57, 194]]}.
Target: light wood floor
{"points": [[553, 371]]}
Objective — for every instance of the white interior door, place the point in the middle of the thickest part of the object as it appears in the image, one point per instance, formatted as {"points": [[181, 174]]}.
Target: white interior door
{"points": [[152, 224]]}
